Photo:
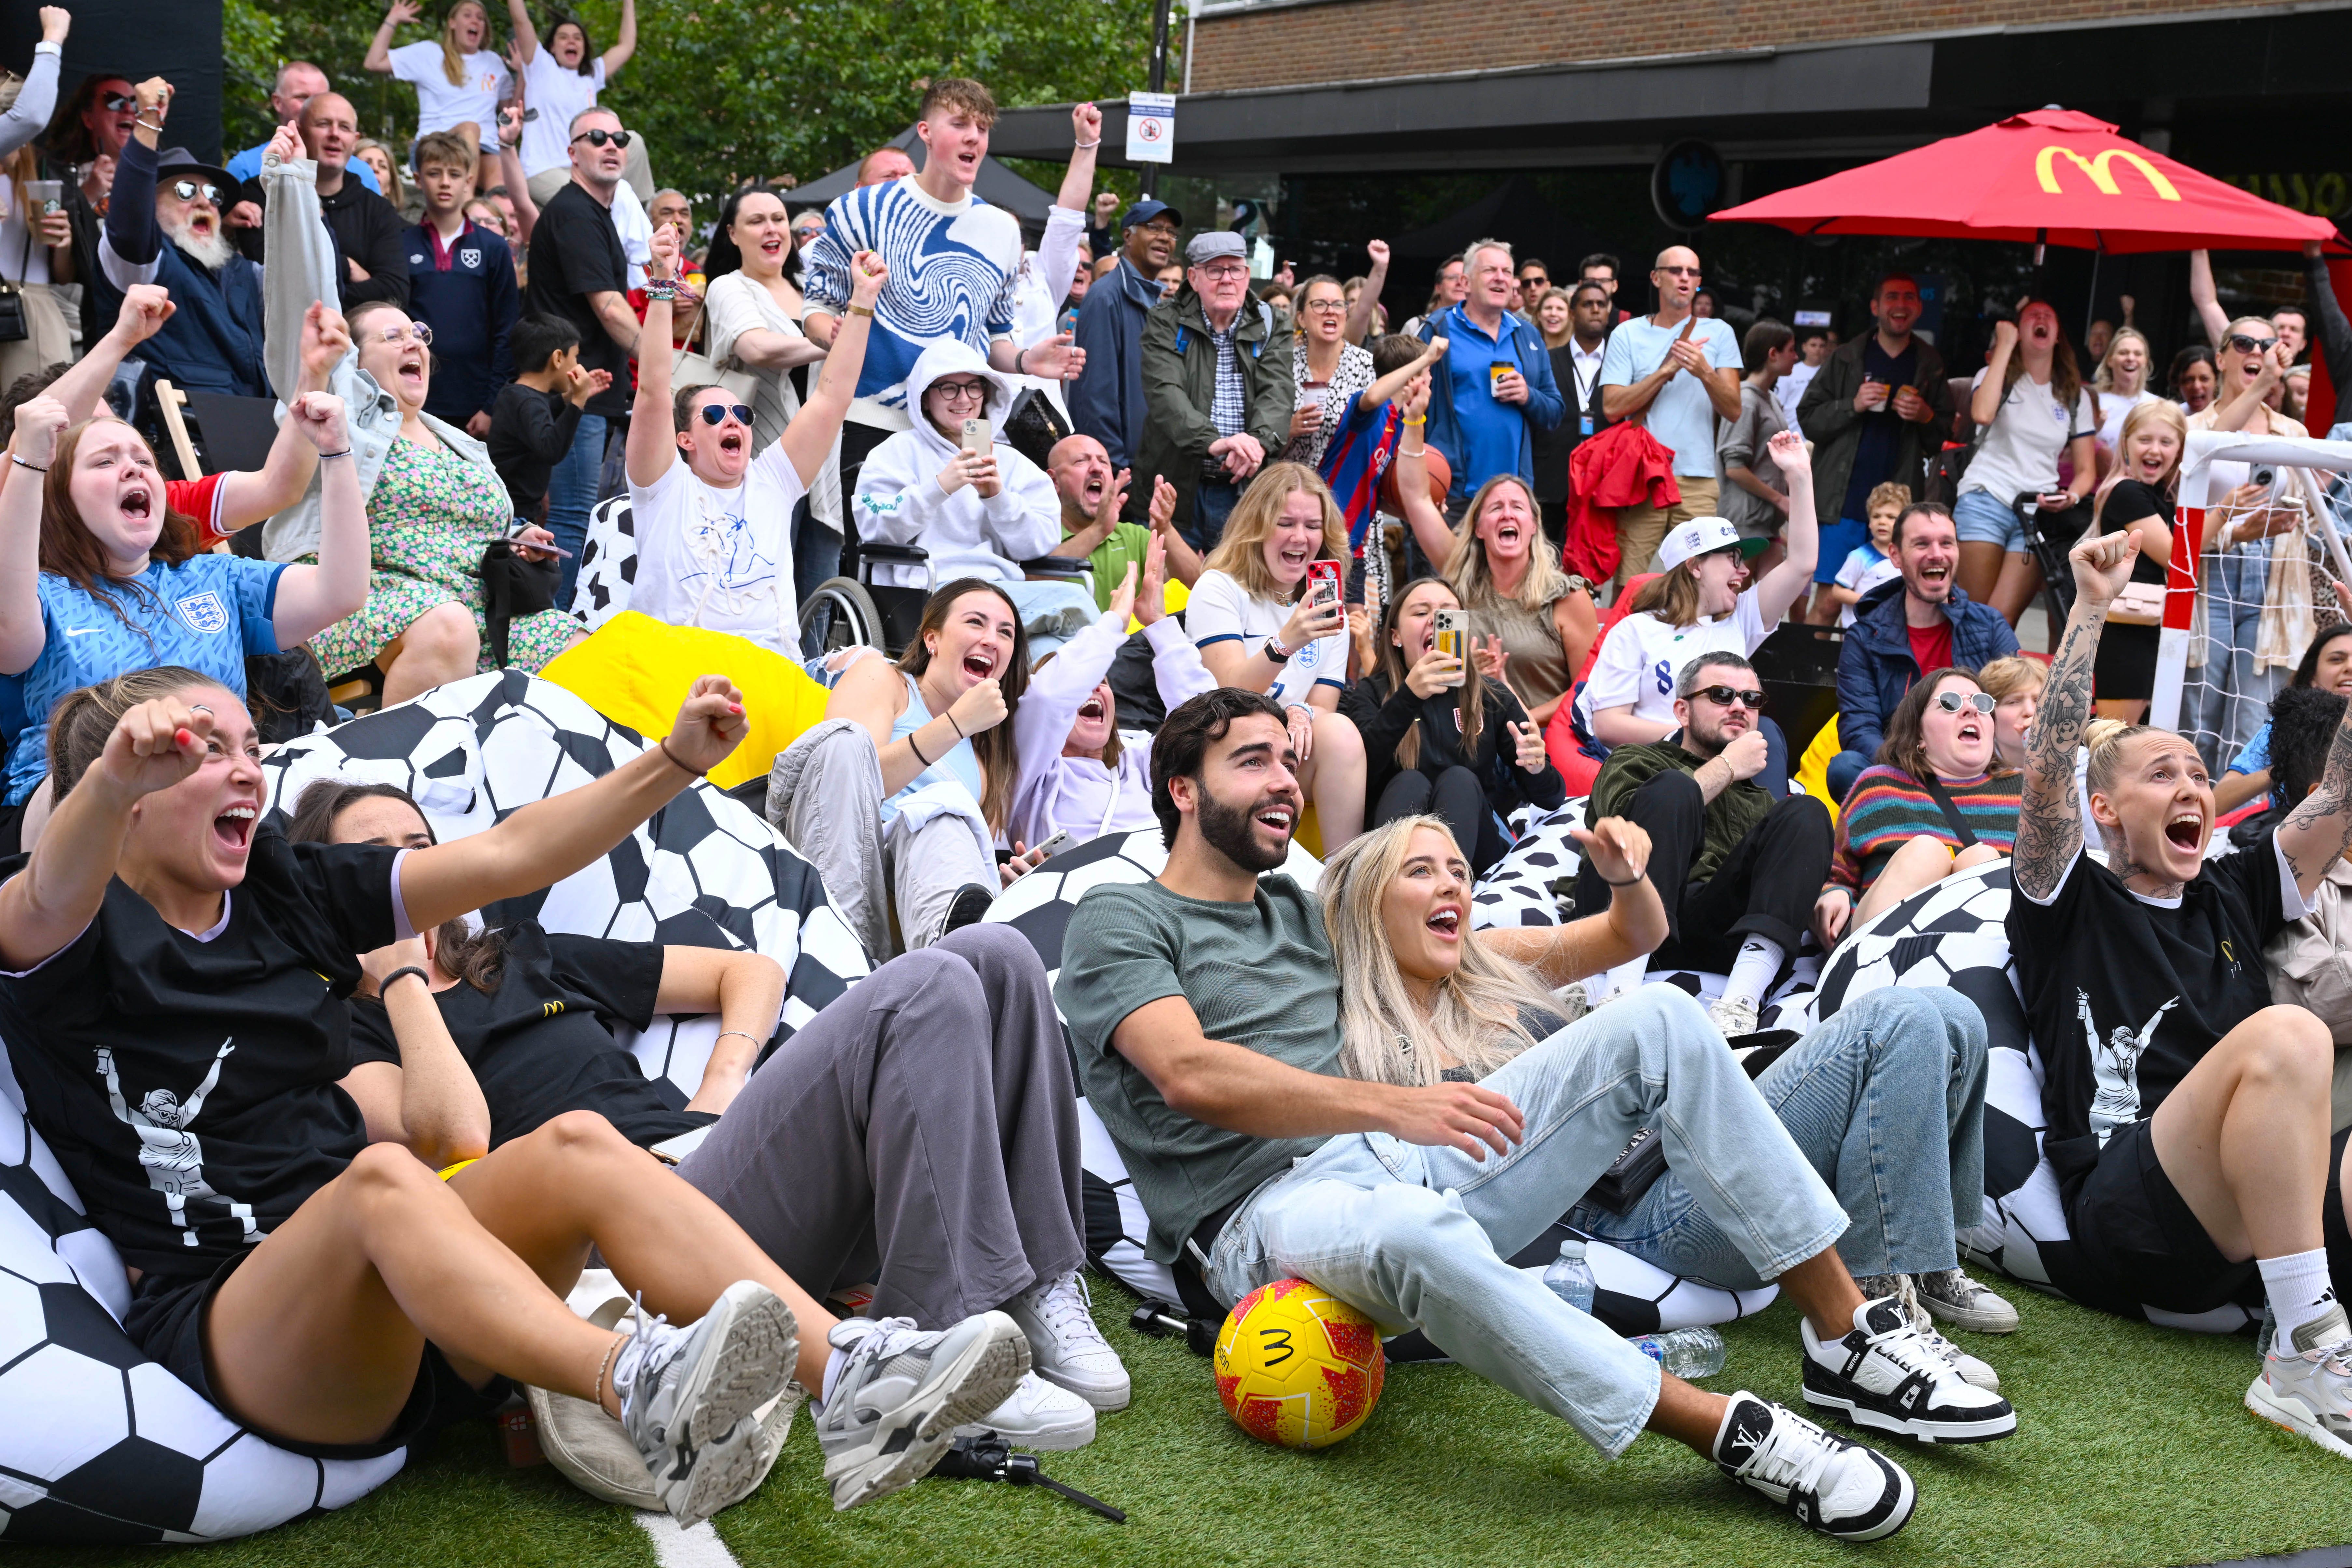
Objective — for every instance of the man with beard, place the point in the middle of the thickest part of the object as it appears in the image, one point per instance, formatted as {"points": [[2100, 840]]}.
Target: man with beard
{"points": [[1902, 630], [1738, 871], [1106, 403], [1093, 498], [1205, 1011], [164, 225]]}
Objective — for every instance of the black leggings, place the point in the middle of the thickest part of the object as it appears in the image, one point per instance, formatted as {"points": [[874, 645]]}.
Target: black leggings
{"points": [[1455, 795]]}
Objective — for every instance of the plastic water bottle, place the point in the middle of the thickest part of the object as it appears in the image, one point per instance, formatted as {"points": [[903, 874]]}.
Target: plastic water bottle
{"points": [[1570, 1277], [1691, 1354]]}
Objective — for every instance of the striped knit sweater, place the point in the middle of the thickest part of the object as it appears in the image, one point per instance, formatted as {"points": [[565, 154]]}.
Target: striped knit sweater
{"points": [[1886, 806]]}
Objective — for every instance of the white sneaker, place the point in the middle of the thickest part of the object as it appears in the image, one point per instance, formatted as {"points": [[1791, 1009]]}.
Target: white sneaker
{"points": [[1908, 1289], [900, 1393], [1733, 1016], [1065, 1345], [689, 1395], [1885, 1374], [1831, 1485], [1964, 1303], [2306, 1385], [1038, 1414]]}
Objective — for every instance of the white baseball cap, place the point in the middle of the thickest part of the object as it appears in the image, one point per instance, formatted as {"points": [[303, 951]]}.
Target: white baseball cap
{"points": [[1697, 537]]}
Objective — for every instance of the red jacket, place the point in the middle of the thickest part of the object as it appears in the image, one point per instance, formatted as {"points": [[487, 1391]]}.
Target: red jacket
{"points": [[1622, 465]]}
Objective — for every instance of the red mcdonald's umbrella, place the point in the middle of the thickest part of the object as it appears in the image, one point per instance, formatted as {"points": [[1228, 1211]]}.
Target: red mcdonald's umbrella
{"points": [[2051, 174]]}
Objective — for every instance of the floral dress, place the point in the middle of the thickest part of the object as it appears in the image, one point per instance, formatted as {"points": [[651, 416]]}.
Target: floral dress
{"points": [[430, 517]]}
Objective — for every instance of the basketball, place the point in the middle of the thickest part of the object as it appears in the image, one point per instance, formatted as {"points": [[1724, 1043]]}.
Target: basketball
{"points": [[1441, 480], [1296, 1366]]}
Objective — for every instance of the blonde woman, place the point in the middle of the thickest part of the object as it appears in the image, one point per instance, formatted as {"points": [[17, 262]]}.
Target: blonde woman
{"points": [[458, 77], [1257, 630], [2119, 387], [378, 157], [1878, 1112], [2138, 494], [1508, 578]]}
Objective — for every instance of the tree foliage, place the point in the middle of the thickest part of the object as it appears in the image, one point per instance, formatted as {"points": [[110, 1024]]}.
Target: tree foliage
{"points": [[734, 89]]}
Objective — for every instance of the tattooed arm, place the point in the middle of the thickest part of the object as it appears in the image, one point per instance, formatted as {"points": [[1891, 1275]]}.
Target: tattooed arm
{"points": [[2318, 831], [2049, 819]]}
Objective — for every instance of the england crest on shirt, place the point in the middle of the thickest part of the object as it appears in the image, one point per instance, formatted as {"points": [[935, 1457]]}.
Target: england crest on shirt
{"points": [[470, 258], [205, 613]]}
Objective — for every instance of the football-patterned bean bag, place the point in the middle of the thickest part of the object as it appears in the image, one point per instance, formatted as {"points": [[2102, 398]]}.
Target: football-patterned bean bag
{"points": [[1955, 933], [1634, 1297], [608, 563]]}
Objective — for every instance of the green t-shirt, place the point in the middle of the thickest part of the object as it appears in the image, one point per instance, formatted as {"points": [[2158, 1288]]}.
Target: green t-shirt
{"points": [[1127, 541], [1257, 975]]}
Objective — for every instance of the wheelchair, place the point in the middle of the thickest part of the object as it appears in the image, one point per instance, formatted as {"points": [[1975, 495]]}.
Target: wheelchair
{"points": [[853, 609]]}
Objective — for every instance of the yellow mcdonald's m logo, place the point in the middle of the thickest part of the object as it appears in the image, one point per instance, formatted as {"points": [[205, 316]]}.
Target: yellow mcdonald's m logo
{"points": [[2102, 175]]}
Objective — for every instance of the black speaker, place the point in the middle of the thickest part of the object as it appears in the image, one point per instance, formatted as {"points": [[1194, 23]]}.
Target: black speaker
{"points": [[135, 39]]}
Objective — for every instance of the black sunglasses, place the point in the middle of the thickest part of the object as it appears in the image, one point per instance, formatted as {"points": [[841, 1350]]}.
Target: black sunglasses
{"points": [[186, 190], [116, 102], [717, 413], [599, 136], [2246, 345], [1725, 695]]}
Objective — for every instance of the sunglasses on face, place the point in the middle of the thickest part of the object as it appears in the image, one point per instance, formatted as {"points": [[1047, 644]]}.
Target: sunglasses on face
{"points": [[118, 102], [717, 413], [599, 136], [1725, 695], [2246, 345], [1953, 702], [189, 190]]}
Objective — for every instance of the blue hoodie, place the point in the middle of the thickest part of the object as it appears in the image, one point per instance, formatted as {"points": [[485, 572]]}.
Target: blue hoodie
{"points": [[1875, 665]]}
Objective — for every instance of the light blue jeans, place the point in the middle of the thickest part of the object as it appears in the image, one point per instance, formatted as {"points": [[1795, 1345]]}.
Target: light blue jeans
{"points": [[1416, 1236], [2226, 699], [572, 488], [1887, 1102]]}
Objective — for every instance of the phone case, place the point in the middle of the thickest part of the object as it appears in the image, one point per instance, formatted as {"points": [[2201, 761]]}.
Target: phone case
{"points": [[1453, 632]]}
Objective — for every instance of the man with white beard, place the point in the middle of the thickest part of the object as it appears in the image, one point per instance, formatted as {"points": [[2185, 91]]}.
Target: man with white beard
{"points": [[164, 225]]}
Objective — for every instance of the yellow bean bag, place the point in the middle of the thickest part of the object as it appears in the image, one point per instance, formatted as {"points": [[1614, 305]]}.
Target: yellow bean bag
{"points": [[1813, 768], [636, 670]]}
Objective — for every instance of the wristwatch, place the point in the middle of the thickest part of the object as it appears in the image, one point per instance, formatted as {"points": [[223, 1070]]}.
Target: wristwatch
{"points": [[1273, 650]]}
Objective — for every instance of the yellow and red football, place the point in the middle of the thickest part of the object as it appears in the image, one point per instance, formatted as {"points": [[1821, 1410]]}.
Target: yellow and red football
{"points": [[1296, 1366]]}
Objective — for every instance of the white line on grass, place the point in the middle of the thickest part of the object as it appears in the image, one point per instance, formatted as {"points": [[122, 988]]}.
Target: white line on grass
{"points": [[674, 1548]]}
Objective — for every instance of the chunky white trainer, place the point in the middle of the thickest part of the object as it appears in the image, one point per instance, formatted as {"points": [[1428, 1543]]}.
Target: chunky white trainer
{"points": [[899, 1394], [689, 1396], [1836, 1487], [1038, 1414], [2306, 1385], [1065, 1345]]}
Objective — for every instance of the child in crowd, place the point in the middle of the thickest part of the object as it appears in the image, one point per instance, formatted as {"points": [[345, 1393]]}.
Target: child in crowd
{"points": [[532, 422], [1869, 564], [461, 283], [1363, 444]]}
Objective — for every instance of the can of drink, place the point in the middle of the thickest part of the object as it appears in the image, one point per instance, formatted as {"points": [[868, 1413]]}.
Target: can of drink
{"points": [[520, 1436]]}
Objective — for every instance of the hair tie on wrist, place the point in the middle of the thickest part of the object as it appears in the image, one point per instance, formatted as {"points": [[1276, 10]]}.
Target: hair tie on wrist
{"points": [[916, 750], [385, 986], [1627, 882], [951, 718], [1087, 146], [325, 456], [664, 744]]}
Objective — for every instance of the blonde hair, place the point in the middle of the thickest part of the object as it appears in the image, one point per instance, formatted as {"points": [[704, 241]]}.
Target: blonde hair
{"points": [[1466, 564], [453, 63], [2159, 411], [1888, 493], [2011, 674], [2103, 379], [1384, 1037], [1240, 554], [396, 192]]}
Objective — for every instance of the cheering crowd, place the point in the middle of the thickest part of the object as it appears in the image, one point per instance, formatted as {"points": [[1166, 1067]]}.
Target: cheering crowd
{"points": [[1178, 552]]}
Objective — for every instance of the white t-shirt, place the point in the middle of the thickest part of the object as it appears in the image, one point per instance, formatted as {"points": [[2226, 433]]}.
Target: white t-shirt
{"points": [[1791, 389], [551, 95], [1221, 610], [1682, 416], [2114, 409], [1642, 658], [1863, 568], [2021, 449], [441, 107], [721, 560]]}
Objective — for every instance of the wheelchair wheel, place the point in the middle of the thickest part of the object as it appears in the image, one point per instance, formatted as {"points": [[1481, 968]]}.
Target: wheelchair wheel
{"points": [[840, 614]]}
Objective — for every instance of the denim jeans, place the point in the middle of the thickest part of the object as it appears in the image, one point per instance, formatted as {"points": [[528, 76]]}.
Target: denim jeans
{"points": [[1419, 1236], [1213, 502], [2226, 699], [571, 495], [1887, 1102]]}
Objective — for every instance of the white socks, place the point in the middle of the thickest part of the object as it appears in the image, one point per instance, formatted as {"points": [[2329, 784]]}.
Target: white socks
{"points": [[1752, 970], [2298, 1289], [1626, 977]]}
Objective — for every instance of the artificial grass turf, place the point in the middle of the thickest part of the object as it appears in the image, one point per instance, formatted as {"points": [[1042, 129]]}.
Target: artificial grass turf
{"points": [[2133, 1449]]}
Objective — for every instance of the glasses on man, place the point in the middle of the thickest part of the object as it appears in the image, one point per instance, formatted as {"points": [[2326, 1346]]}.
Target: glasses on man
{"points": [[599, 136], [1224, 274], [415, 332], [1679, 271], [1725, 695], [717, 413], [961, 391], [2246, 345], [1953, 702], [189, 190]]}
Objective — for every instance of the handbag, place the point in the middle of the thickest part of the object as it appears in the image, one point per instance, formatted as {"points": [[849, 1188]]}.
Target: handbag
{"points": [[2139, 605], [13, 327], [688, 368], [513, 587]]}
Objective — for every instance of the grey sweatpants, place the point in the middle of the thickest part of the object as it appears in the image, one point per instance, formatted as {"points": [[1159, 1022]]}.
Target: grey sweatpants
{"points": [[921, 1131]]}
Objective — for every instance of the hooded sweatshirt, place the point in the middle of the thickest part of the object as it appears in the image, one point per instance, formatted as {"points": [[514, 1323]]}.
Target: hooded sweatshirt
{"points": [[1079, 793], [899, 500]]}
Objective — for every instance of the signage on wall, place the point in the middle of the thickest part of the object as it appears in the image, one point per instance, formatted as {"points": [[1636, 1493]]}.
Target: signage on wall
{"points": [[1687, 183], [1151, 127]]}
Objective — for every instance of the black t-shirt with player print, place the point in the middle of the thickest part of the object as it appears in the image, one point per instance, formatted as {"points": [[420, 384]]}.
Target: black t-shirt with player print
{"points": [[541, 1043], [187, 1083], [2126, 995]]}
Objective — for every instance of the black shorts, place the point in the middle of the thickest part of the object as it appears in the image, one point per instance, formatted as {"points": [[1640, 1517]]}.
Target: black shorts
{"points": [[167, 1322]]}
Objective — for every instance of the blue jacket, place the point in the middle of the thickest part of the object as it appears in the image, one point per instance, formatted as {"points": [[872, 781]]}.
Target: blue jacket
{"points": [[1107, 401], [471, 308], [1875, 667], [1541, 411], [213, 341]]}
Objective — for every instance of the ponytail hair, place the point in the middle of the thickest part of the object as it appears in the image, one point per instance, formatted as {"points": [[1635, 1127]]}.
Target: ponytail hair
{"points": [[459, 950], [84, 718], [2104, 738]]}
